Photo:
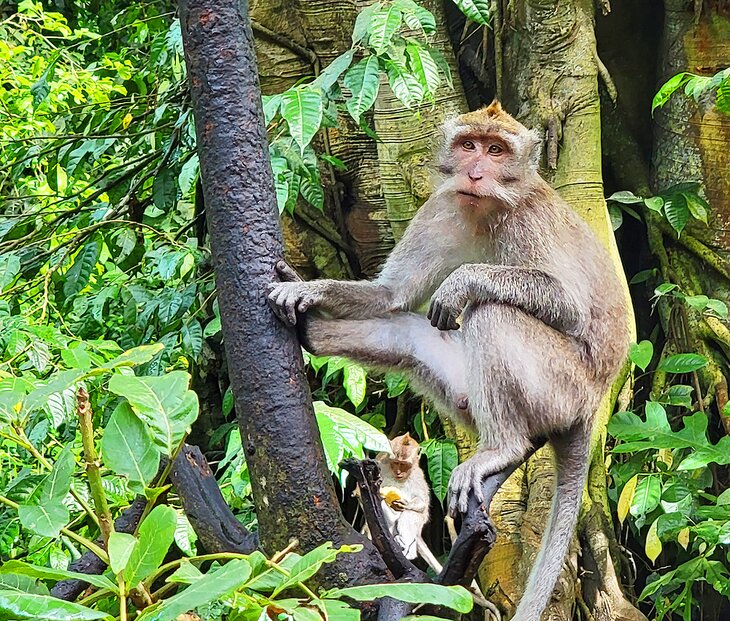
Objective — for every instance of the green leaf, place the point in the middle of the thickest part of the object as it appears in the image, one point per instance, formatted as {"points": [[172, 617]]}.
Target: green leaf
{"points": [[476, 10], [192, 338], [416, 16], [665, 288], [677, 212], [121, 546], [682, 363], [271, 104], [665, 92], [718, 307], [155, 535], [655, 203], [355, 382], [352, 427], [9, 269], [404, 85], [641, 354], [57, 384], [647, 496], [327, 79], [127, 447], [17, 606], [455, 597], [302, 109], [309, 564], [363, 81], [164, 403], [164, 189], [642, 276], [209, 588], [78, 275], [625, 197], [697, 206], [47, 573], [188, 175], [58, 483], [396, 384], [135, 356], [384, 23], [442, 457], [46, 520], [363, 21], [42, 88], [424, 67], [213, 327]]}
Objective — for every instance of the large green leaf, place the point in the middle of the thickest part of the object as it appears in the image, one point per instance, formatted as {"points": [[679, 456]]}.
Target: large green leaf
{"points": [[677, 212], [135, 356], [354, 380], [164, 403], [302, 108], [120, 548], [352, 428], [404, 84], [656, 433], [327, 79], [153, 540], [78, 275], [476, 10], [48, 573], [384, 23], [647, 495], [309, 564], [204, 590], [47, 514], [641, 354], [363, 80], [424, 67], [56, 384], [442, 458], [682, 363], [127, 447], [665, 92], [16, 606], [416, 16], [455, 597]]}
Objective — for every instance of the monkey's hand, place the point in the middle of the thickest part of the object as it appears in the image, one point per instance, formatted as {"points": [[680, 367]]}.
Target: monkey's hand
{"points": [[448, 303], [399, 505], [291, 295]]}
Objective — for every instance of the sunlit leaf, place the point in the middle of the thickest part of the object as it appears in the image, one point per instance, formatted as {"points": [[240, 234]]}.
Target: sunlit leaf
{"points": [[302, 109], [21, 606], [476, 10], [641, 354], [627, 497], [653, 545], [153, 540], [682, 363], [455, 597], [363, 81], [442, 457]]}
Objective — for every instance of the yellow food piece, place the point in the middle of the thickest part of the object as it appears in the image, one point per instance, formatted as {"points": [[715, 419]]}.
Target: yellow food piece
{"points": [[389, 494]]}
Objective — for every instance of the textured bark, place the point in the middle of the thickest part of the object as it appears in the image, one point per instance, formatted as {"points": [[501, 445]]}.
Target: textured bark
{"points": [[690, 144], [292, 488]]}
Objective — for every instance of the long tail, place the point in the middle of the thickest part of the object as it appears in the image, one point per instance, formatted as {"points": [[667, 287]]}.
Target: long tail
{"points": [[572, 456]]}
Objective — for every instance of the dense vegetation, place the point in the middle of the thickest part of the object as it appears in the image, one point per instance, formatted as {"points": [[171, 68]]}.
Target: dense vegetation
{"points": [[110, 334]]}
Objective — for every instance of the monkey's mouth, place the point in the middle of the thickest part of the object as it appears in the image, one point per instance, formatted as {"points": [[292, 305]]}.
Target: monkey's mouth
{"points": [[469, 194]]}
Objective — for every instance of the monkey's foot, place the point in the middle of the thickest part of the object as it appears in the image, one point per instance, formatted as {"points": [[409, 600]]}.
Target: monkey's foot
{"points": [[468, 477], [292, 295]]}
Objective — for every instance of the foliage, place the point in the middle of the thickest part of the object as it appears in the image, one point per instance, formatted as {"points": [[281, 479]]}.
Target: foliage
{"points": [[698, 87], [234, 586], [677, 204], [667, 489]]}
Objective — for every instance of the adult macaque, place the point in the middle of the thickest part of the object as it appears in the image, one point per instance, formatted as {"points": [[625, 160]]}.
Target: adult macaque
{"points": [[543, 327], [406, 498]]}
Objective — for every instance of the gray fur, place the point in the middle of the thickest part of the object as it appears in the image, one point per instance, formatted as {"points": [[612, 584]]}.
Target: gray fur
{"points": [[543, 327]]}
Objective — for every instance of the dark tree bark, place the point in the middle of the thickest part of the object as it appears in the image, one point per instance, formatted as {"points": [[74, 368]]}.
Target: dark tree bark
{"points": [[293, 491]]}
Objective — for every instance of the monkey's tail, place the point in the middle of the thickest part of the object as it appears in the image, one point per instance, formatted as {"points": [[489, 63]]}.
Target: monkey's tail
{"points": [[572, 453]]}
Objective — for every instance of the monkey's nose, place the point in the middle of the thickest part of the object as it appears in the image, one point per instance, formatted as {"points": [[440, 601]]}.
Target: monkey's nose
{"points": [[475, 175]]}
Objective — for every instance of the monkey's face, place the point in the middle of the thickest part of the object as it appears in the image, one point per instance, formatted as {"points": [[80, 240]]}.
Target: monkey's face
{"points": [[481, 163], [400, 469]]}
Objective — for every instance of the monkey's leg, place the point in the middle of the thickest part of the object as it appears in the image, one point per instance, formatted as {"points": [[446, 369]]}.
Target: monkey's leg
{"points": [[432, 360]]}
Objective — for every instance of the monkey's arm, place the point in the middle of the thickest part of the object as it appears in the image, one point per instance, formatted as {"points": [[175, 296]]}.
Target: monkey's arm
{"points": [[532, 290], [410, 275]]}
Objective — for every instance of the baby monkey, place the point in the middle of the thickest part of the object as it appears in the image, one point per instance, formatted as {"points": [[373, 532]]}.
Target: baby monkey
{"points": [[526, 326], [406, 498]]}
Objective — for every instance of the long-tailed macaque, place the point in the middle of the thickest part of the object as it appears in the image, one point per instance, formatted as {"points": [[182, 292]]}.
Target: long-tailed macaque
{"points": [[542, 328], [406, 498]]}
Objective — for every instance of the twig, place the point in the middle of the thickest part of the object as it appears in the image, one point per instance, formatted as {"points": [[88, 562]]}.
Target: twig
{"points": [[83, 408]]}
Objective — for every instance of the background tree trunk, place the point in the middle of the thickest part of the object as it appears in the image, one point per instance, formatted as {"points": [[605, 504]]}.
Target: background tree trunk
{"points": [[293, 491]]}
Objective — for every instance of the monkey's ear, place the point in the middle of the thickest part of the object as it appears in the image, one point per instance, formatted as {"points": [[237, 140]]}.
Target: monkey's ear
{"points": [[494, 108]]}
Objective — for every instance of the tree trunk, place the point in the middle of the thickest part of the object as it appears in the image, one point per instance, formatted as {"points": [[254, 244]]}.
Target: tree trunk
{"points": [[293, 491]]}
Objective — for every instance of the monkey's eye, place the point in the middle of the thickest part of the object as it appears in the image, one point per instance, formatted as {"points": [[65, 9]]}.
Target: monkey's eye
{"points": [[495, 149], [468, 145]]}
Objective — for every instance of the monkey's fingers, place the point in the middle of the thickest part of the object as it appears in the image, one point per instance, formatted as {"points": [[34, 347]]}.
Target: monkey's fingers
{"points": [[286, 272], [285, 302]]}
